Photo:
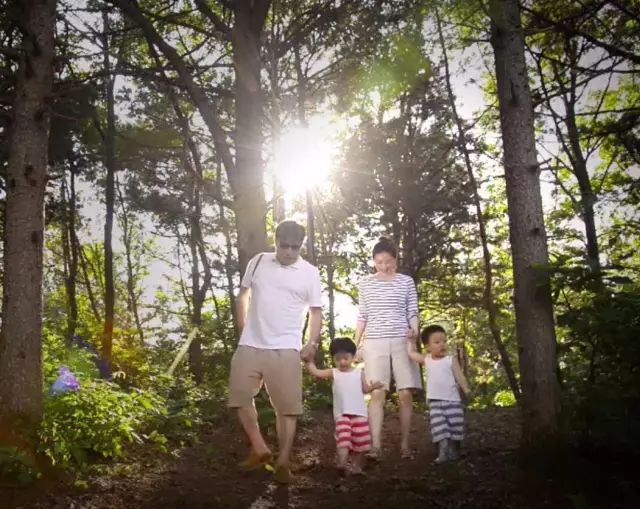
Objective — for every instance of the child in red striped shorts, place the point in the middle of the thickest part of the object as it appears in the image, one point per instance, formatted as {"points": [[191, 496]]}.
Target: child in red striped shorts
{"points": [[349, 408]]}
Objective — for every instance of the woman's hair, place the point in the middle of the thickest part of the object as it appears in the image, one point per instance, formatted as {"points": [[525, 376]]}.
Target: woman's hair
{"points": [[428, 331], [385, 245], [342, 345]]}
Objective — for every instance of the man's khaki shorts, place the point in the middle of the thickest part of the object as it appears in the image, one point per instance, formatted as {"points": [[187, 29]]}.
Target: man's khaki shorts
{"points": [[382, 357], [281, 372]]}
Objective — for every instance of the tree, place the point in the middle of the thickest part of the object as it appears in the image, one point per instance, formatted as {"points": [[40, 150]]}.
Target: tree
{"points": [[532, 292], [489, 302], [245, 172], [21, 335]]}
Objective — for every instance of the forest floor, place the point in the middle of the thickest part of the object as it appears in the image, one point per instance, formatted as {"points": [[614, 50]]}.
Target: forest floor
{"points": [[204, 475]]}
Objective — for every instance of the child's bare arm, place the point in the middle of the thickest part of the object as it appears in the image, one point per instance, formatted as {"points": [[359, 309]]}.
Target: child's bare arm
{"points": [[368, 387], [413, 352], [324, 374], [459, 376]]}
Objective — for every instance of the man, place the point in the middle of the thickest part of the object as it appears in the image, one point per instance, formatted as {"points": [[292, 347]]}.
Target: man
{"points": [[275, 293]]}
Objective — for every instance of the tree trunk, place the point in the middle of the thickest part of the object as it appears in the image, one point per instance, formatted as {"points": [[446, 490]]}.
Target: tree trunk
{"points": [[279, 205], [246, 175], [532, 292], [579, 163], [109, 163], [127, 241], [21, 336], [488, 300], [70, 251], [332, 298], [229, 264], [247, 182], [87, 280]]}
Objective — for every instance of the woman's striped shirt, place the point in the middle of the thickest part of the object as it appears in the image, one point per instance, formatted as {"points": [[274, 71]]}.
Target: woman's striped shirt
{"points": [[387, 306]]}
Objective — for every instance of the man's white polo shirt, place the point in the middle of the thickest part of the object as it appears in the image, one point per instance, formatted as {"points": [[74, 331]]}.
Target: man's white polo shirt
{"points": [[280, 297]]}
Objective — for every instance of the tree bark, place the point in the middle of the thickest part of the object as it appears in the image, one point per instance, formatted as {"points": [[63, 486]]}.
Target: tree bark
{"points": [[127, 241], [247, 182], [70, 250], [488, 299], [532, 292], [21, 336], [87, 280], [110, 166]]}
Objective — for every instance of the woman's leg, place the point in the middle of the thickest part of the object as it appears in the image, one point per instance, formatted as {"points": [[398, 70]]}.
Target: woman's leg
{"points": [[377, 368], [406, 372], [406, 411], [376, 416]]}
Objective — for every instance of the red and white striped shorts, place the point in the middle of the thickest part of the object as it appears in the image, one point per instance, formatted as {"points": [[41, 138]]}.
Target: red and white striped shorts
{"points": [[352, 432]]}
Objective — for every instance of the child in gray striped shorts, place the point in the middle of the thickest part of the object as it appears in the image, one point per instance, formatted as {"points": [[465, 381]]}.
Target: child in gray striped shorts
{"points": [[444, 377]]}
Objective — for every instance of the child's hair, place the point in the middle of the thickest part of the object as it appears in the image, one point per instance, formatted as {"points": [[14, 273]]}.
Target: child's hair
{"points": [[428, 331], [385, 245], [342, 345]]}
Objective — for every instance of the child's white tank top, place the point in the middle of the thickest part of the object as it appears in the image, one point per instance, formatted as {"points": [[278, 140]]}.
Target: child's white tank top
{"points": [[440, 381], [348, 397]]}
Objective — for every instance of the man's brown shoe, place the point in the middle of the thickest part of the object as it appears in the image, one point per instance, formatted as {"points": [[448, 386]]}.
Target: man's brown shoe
{"points": [[255, 461], [283, 475]]}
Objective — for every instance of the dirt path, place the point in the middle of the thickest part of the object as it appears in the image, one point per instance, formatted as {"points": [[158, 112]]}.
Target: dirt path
{"points": [[205, 476]]}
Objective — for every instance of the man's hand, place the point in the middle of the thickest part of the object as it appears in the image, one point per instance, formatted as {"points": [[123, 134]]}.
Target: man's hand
{"points": [[308, 352], [376, 385]]}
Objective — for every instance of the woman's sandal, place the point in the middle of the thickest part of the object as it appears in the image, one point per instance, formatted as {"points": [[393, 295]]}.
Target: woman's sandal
{"points": [[374, 454], [406, 454]]}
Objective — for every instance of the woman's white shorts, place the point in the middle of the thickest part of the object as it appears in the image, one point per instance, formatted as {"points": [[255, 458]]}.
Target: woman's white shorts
{"points": [[386, 357]]}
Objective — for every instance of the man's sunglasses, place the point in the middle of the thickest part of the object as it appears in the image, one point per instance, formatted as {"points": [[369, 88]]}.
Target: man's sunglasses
{"points": [[285, 246]]}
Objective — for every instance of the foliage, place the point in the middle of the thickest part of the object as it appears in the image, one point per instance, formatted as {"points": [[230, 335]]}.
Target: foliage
{"points": [[97, 420], [599, 354], [17, 466]]}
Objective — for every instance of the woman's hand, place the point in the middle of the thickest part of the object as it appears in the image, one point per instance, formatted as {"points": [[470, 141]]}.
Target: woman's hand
{"points": [[412, 334], [359, 357]]}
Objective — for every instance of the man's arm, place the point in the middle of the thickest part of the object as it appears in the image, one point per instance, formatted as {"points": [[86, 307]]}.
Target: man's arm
{"points": [[242, 307], [308, 352]]}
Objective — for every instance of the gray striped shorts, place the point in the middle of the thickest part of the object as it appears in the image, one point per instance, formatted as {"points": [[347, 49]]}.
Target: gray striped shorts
{"points": [[446, 419]]}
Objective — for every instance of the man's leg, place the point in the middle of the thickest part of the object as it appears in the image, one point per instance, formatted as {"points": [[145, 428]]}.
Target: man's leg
{"points": [[286, 428], [244, 383], [283, 379], [249, 419]]}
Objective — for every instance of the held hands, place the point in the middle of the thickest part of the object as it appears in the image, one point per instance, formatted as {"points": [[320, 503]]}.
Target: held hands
{"points": [[372, 386], [308, 352], [412, 337]]}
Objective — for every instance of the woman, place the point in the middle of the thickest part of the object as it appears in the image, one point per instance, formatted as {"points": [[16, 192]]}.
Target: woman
{"points": [[388, 314]]}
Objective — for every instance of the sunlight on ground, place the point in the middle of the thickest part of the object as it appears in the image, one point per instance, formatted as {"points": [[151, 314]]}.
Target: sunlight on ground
{"points": [[304, 157]]}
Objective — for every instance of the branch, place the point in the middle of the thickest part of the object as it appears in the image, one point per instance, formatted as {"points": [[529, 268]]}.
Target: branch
{"points": [[566, 28], [204, 105], [221, 27]]}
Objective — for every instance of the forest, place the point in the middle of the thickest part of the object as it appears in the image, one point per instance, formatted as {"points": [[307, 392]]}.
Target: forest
{"points": [[149, 148]]}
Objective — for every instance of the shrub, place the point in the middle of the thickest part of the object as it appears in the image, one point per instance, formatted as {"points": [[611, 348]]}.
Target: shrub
{"points": [[99, 419], [17, 466]]}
